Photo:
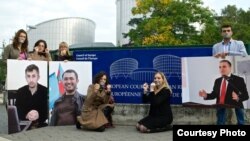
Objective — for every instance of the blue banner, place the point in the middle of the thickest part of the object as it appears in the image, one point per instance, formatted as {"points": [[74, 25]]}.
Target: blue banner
{"points": [[129, 69]]}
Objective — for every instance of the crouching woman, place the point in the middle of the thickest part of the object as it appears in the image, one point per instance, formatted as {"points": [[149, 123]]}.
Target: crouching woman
{"points": [[97, 109]]}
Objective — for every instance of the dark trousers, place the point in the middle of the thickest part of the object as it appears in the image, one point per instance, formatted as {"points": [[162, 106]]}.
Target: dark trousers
{"points": [[107, 112]]}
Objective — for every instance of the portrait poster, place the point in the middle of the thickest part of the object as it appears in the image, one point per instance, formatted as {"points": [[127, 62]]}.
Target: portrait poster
{"points": [[56, 70], [201, 72], [27, 94]]}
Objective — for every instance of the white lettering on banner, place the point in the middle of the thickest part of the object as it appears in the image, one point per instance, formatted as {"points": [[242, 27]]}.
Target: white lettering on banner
{"points": [[138, 87], [135, 87], [88, 57], [175, 95], [126, 93], [120, 86], [176, 87], [79, 55], [126, 86], [80, 59]]}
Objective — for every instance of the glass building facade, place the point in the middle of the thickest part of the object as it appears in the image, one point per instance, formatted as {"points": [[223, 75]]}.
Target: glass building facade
{"points": [[73, 30]]}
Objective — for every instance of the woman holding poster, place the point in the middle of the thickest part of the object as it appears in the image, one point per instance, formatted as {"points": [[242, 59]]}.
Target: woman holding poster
{"points": [[19, 47], [63, 53], [40, 51], [98, 106]]}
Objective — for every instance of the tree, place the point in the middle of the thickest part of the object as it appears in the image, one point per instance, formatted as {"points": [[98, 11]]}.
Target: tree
{"points": [[3, 66], [3, 71], [168, 22]]}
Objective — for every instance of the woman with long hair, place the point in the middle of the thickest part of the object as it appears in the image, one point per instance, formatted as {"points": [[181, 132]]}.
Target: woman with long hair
{"points": [[19, 47], [160, 114], [17, 50]]}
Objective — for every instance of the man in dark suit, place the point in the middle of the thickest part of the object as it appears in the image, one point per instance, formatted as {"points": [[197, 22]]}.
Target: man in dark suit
{"points": [[228, 90]]}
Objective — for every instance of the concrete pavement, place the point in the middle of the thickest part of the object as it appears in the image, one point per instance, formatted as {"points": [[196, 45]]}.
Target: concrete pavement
{"points": [[3, 120], [70, 133]]}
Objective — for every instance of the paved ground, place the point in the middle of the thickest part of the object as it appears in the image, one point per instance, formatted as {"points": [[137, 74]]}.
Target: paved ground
{"points": [[70, 133], [3, 118]]}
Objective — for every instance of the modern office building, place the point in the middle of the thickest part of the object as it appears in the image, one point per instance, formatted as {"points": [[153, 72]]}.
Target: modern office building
{"points": [[123, 16], [73, 30]]}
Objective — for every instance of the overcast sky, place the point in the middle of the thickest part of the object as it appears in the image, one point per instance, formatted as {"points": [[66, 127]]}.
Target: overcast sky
{"points": [[16, 14]]}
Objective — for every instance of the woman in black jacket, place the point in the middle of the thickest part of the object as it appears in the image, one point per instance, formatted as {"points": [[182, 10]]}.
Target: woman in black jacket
{"points": [[63, 53], [160, 114]]}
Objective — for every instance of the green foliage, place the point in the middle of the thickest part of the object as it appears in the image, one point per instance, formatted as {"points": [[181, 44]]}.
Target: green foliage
{"points": [[239, 19], [3, 70], [168, 22], [175, 22]]}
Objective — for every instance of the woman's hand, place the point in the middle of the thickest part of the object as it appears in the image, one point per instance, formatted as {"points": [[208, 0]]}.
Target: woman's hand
{"points": [[108, 88], [63, 52], [96, 87], [145, 88], [36, 49], [152, 86], [47, 50]]}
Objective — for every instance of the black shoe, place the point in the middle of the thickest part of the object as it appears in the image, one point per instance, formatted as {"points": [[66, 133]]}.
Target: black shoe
{"points": [[167, 128], [100, 129], [78, 125]]}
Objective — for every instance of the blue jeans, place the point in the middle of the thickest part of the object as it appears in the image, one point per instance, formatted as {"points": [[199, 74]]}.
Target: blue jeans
{"points": [[221, 116], [240, 116]]}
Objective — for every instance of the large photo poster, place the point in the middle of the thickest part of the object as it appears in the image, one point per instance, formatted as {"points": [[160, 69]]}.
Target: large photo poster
{"points": [[201, 73], [57, 85], [242, 68], [27, 95]]}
